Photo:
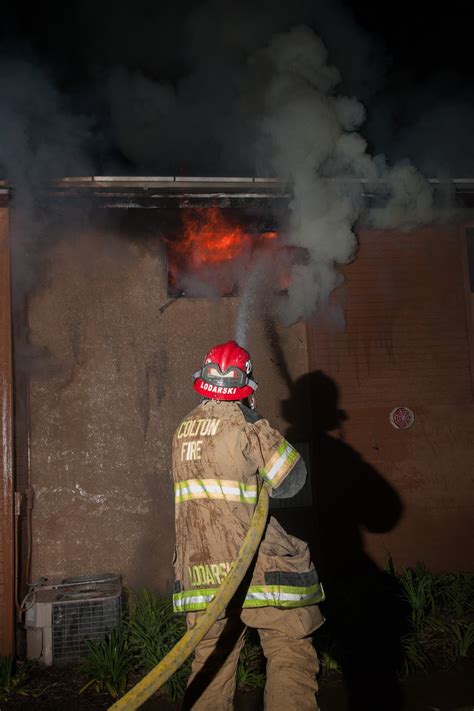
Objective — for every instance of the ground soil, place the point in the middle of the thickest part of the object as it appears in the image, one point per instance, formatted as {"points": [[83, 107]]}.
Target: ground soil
{"points": [[57, 689]]}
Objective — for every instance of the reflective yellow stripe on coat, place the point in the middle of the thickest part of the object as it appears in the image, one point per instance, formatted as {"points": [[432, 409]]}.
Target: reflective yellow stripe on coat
{"points": [[257, 596], [279, 464], [224, 489]]}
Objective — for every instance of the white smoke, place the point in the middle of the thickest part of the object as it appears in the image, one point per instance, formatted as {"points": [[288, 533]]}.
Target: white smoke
{"points": [[308, 136], [256, 292], [278, 105], [40, 138]]}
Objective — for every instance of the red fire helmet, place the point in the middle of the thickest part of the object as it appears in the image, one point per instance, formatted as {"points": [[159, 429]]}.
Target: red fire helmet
{"points": [[225, 373]]}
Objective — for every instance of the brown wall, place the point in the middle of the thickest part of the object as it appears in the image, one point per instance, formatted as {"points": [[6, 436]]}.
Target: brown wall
{"points": [[115, 385], [407, 341], [118, 379], [6, 446]]}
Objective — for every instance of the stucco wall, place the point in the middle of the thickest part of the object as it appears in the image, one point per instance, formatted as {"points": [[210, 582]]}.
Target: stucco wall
{"points": [[116, 383], [118, 379]]}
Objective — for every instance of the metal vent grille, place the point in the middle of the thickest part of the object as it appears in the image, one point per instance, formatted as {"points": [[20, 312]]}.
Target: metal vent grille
{"points": [[76, 622]]}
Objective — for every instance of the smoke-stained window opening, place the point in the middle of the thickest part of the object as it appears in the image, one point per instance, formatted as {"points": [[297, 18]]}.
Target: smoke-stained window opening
{"points": [[215, 231], [211, 251], [470, 255]]}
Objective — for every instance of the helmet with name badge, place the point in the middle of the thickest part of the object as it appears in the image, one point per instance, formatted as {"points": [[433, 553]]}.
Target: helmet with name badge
{"points": [[225, 374]]}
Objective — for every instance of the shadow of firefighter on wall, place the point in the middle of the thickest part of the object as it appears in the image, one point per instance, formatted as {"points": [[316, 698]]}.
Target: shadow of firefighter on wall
{"points": [[363, 608]]}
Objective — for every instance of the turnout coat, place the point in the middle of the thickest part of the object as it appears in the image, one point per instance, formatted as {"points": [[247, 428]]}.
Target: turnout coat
{"points": [[222, 453]]}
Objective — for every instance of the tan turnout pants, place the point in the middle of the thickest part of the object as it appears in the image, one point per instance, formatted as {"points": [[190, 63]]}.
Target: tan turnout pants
{"points": [[292, 662]]}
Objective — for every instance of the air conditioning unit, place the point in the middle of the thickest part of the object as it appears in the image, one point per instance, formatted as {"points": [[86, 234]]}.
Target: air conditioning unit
{"points": [[62, 614]]}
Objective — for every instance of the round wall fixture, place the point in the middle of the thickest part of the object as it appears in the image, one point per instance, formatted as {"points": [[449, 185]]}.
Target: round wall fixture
{"points": [[402, 418]]}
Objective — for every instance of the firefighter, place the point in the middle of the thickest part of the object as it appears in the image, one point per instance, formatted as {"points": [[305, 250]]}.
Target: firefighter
{"points": [[223, 451]]}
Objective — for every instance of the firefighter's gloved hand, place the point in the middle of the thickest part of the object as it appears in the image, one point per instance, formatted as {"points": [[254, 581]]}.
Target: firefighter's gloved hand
{"points": [[293, 483]]}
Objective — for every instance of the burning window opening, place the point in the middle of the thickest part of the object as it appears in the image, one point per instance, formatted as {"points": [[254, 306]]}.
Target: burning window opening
{"points": [[214, 250]]}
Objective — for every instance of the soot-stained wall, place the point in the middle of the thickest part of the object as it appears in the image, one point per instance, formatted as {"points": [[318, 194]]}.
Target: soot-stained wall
{"points": [[116, 382]]}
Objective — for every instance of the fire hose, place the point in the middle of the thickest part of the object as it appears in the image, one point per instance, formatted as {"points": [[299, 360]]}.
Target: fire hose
{"points": [[186, 645]]}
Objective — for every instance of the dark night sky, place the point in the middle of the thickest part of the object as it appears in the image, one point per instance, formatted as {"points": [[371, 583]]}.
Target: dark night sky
{"points": [[419, 39], [423, 83], [422, 39]]}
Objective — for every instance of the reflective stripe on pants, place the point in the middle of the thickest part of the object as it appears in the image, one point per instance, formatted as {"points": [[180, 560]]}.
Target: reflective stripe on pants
{"points": [[292, 663]]}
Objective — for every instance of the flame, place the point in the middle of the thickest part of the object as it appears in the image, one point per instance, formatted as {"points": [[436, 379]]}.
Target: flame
{"points": [[210, 239]]}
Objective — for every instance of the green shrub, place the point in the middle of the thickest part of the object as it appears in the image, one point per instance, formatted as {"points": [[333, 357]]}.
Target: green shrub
{"points": [[250, 668], [153, 629], [108, 664], [328, 660], [14, 677], [414, 657], [420, 589], [442, 618], [327, 651]]}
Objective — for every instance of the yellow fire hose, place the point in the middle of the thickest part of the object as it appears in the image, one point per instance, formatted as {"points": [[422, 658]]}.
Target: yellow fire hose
{"points": [[181, 651]]}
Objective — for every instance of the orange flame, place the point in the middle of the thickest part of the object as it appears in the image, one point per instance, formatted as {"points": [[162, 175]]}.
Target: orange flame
{"points": [[210, 239]]}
